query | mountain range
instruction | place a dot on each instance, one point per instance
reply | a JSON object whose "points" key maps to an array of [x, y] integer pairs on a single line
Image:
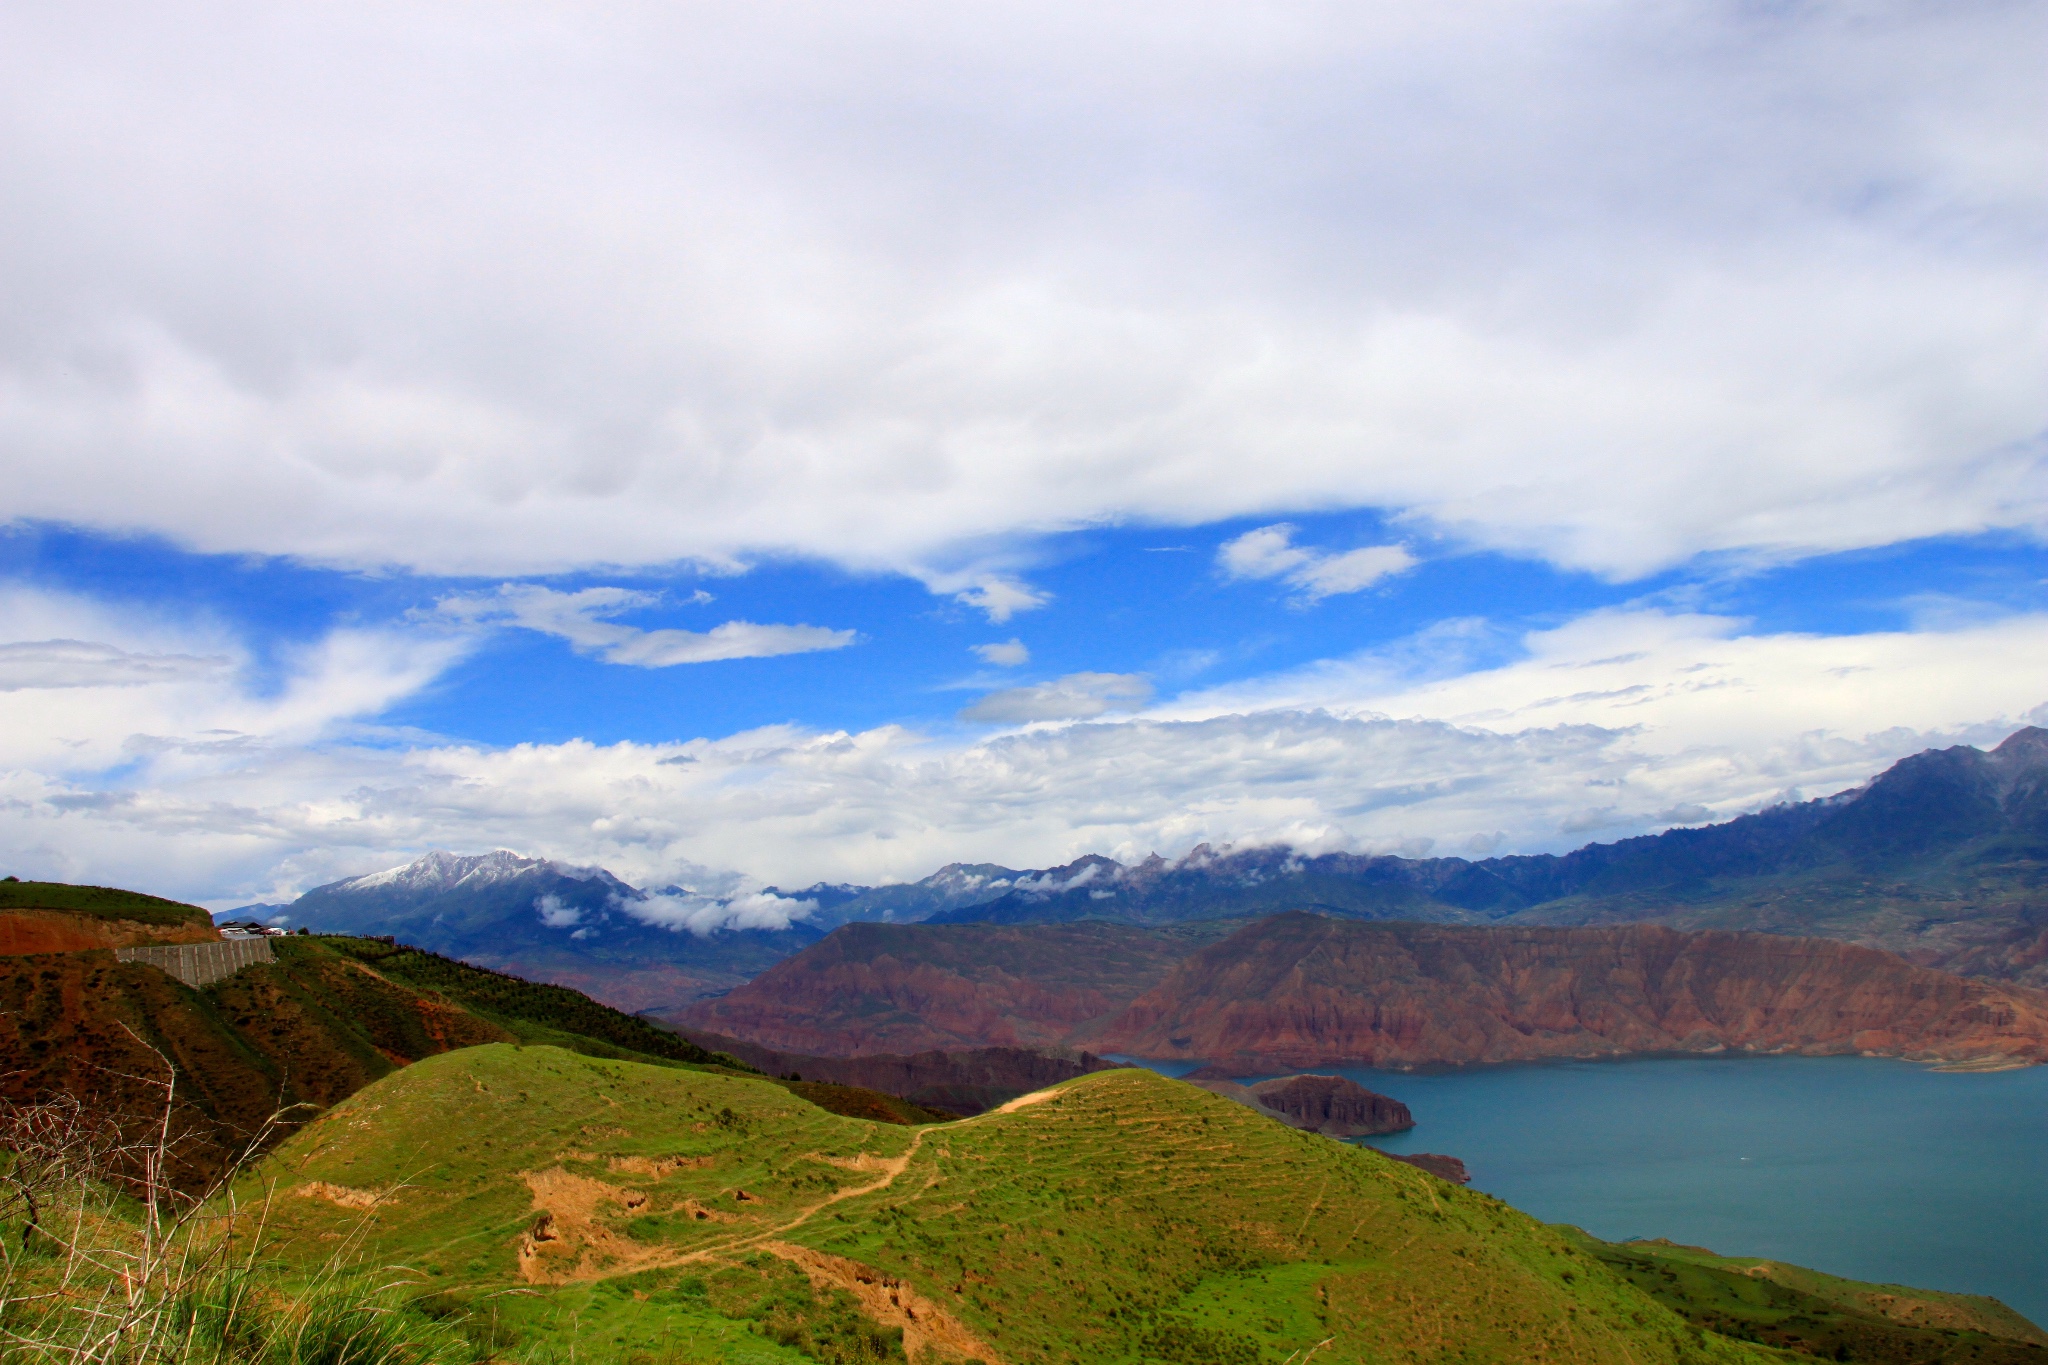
{"points": [[1942, 858]]}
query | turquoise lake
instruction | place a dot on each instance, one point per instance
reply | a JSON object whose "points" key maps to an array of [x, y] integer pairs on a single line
{"points": [[1878, 1170]]}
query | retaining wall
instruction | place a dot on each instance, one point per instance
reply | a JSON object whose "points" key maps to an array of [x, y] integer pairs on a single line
{"points": [[202, 964]]}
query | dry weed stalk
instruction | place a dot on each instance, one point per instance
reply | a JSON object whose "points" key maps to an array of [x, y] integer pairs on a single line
{"points": [[87, 1285]]}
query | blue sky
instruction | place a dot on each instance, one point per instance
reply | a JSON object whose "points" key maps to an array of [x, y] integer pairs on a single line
{"points": [[1152, 602], [745, 447]]}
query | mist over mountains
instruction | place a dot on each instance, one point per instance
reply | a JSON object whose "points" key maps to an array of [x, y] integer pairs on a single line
{"points": [[1941, 858]]}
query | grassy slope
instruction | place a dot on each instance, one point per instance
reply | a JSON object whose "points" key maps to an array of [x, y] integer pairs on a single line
{"points": [[1821, 1314], [1128, 1218], [329, 1017], [102, 902]]}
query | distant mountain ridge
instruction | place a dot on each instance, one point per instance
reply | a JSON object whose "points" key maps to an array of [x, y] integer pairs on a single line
{"points": [[1942, 858]]}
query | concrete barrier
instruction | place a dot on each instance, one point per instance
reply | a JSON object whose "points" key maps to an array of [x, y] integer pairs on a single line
{"points": [[202, 964]]}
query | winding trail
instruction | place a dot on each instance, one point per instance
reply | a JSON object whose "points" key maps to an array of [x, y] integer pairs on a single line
{"points": [[926, 1325]]}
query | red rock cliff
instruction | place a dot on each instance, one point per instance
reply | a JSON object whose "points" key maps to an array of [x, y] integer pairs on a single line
{"points": [[1303, 990], [916, 987]]}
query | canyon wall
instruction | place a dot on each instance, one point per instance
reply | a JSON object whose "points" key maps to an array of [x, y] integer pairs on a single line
{"points": [[915, 987], [1302, 990]]}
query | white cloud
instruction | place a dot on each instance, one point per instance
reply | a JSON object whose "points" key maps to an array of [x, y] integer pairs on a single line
{"points": [[1009, 654], [1270, 552], [563, 286], [1619, 722], [1002, 598], [579, 617], [556, 915], [707, 915], [1077, 696]]}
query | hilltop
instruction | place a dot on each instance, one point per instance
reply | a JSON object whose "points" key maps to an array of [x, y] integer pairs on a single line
{"points": [[1119, 1217], [56, 917], [1303, 990]]}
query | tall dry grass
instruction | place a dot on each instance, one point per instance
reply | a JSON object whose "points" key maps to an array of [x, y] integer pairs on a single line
{"points": [[104, 1262]]}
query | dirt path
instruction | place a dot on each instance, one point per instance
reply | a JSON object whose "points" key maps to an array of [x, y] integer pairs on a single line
{"points": [[927, 1327]]}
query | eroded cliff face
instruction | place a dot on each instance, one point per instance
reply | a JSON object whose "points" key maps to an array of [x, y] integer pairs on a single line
{"points": [[27, 931], [1303, 990], [908, 988]]}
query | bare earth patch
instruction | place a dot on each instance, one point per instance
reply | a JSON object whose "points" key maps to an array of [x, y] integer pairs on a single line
{"points": [[929, 1331]]}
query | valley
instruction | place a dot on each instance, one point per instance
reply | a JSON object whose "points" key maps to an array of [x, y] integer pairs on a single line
{"points": [[559, 1179]]}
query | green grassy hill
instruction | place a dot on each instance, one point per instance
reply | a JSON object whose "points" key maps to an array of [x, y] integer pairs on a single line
{"points": [[328, 1017], [662, 1215], [103, 902], [1823, 1315]]}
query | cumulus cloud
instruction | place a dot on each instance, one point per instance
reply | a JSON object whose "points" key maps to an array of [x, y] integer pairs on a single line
{"points": [[706, 915], [1270, 552], [1010, 653], [581, 619], [555, 914], [1611, 284], [1077, 696], [1002, 598]]}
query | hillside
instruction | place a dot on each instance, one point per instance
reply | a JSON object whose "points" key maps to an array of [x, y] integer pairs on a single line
{"points": [[329, 1017], [965, 1082], [1791, 1307], [56, 917], [1120, 1217], [1116, 1219], [911, 988], [1301, 990]]}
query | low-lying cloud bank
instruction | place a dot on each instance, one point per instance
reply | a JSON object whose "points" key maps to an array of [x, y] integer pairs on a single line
{"points": [[197, 784]]}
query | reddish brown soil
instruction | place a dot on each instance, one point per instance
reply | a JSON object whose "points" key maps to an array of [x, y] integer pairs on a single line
{"points": [[24, 932], [304, 1033]]}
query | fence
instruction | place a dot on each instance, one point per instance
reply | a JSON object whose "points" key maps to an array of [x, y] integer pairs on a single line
{"points": [[201, 964]]}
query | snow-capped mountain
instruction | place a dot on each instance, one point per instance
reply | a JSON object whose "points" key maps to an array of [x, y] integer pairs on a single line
{"points": [[580, 926]]}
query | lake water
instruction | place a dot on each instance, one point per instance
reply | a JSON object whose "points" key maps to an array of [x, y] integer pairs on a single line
{"points": [[1877, 1170]]}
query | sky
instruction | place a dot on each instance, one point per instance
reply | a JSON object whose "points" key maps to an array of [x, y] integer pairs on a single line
{"points": [[747, 446]]}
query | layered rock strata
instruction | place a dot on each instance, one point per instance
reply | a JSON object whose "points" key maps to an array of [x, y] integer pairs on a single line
{"points": [[1304, 990]]}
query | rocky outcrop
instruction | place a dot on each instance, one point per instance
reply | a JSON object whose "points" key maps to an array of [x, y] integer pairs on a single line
{"points": [[907, 988], [971, 1082], [1442, 1167], [1334, 1106], [1303, 990]]}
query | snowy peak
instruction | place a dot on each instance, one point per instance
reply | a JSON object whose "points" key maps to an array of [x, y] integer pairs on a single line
{"points": [[442, 871]]}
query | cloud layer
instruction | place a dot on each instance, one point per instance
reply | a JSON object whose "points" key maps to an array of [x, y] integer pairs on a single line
{"points": [[1613, 724], [561, 286]]}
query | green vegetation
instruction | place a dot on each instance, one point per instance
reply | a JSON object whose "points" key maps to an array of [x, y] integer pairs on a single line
{"points": [[663, 1214], [1822, 1315], [533, 1011], [100, 902]]}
